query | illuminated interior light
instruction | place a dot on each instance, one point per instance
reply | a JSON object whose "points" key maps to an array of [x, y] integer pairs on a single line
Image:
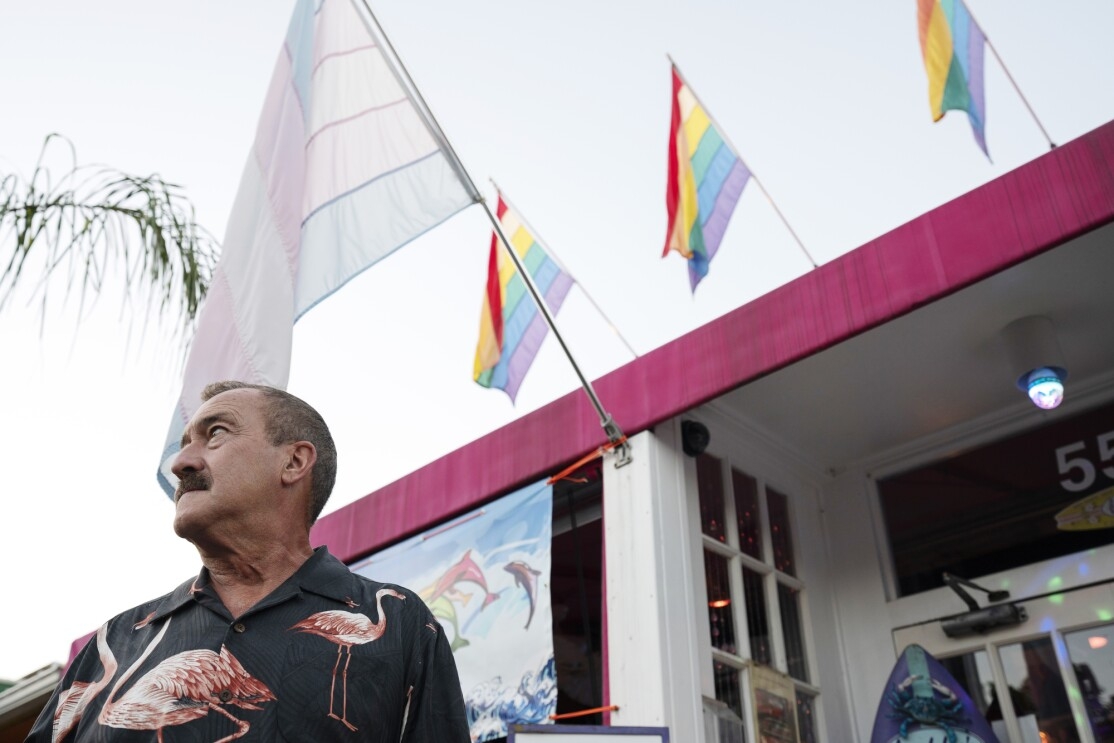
{"points": [[1036, 361], [1097, 641], [1045, 387], [719, 603]]}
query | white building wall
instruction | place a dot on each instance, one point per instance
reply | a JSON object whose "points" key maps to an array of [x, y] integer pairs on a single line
{"points": [[859, 598], [653, 671]]}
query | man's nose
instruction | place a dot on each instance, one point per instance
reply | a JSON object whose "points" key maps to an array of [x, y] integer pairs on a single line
{"points": [[188, 460]]}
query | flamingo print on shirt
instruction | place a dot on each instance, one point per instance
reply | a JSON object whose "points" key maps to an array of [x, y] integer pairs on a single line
{"points": [[183, 688], [73, 701], [345, 629]]}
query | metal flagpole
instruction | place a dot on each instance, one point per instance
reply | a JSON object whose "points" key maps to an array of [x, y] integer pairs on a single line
{"points": [[997, 56], [752, 173], [557, 260], [614, 433], [611, 428], [394, 62]]}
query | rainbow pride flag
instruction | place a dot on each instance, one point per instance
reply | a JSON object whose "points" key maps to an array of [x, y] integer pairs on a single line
{"points": [[511, 326], [706, 179], [953, 46]]}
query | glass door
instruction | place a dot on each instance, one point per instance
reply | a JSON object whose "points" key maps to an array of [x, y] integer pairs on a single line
{"points": [[1092, 656], [1048, 680]]}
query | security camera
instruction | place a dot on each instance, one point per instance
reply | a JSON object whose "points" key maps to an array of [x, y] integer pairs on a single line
{"points": [[695, 437]]}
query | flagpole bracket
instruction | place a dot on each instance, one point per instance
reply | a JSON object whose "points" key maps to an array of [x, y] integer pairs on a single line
{"points": [[618, 442]]}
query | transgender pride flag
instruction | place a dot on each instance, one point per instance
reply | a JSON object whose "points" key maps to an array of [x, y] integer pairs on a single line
{"points": [[344, 170], [511, 326], [706, 179]]}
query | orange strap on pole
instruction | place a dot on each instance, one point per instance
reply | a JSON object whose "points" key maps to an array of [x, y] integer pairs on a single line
{"points": [[585, 712], [564, 474]]}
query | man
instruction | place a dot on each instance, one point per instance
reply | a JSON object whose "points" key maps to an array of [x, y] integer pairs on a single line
{"points": [[272, 640]]}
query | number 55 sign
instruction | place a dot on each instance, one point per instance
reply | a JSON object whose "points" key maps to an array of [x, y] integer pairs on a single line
{"points": [[1074, 460], [1080, 463]]}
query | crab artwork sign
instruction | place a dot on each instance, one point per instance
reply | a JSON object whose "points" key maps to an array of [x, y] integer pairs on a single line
{"points": [[485, 576], [923, 703]]}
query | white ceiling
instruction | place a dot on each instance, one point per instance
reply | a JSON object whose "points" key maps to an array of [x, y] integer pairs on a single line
{"points": [[941, 365]]}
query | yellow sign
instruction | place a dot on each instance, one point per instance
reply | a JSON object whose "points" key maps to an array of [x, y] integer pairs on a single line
{"points": [[1096, 511]]}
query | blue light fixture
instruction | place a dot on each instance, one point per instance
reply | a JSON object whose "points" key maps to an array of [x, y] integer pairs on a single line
{"points": [[1036, 361], [1046, 386]]}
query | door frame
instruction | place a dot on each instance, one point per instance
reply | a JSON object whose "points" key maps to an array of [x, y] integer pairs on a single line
{"points": [[1050, 615]]}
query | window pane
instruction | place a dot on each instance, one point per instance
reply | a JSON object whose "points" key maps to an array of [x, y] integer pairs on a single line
{"points": [[781, 538], [721, 617], [806, 717], [709, 478], [728, 690], [758, 626], [1092, 655], [1037, 688], [972, 671], [746, 513], [789, 602], [722, 724]]}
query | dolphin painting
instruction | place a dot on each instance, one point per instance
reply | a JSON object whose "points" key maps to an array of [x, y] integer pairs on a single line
{"points": [[464, 571], [526, 577], [443, 595], [443, 608]]}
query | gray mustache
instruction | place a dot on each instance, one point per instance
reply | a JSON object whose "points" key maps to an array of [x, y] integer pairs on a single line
{"points": [[192, 481]]}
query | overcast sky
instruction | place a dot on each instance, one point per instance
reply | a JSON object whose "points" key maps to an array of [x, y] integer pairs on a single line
{"points": [[566, 105]]}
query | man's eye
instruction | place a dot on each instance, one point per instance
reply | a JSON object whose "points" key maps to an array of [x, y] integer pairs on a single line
{"points": [[217, 429]]}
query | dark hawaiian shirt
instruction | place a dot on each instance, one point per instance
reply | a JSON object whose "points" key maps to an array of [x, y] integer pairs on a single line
{"points": [[327, 656]]}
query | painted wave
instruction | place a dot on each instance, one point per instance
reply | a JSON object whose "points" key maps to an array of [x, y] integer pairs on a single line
{"points": [[493, 705]]}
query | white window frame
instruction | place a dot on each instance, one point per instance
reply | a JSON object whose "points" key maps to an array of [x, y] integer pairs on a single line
{"points": [[771, 577]]}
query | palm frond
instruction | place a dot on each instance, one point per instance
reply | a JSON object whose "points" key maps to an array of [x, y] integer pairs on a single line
{"points": [[96, 221]]}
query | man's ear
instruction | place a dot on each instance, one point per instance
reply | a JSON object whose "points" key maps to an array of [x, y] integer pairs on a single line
{"points": [[301, 456]]}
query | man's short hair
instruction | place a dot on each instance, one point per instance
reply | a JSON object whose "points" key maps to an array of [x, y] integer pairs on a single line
{"points": [[290, 419]]}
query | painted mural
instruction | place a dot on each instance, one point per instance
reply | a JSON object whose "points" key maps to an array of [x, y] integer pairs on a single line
{"points": [[485, 576]]}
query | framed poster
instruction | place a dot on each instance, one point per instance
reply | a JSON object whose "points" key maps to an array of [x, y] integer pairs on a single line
{"points": [[774, 701], [586, 734]]}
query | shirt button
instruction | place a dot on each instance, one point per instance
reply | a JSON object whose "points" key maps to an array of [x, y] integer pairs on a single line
{"points": [[238, 627], [225, 695]]}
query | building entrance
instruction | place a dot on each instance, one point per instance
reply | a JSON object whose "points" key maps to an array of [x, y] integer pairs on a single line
{"points": [[1047, 680]]}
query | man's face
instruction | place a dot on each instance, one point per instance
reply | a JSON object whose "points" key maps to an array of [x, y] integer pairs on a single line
{"points": [[228, 470]]}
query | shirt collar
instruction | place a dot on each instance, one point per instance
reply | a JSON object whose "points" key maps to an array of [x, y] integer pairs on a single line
{"points": [[321, 574], [324, 575]]}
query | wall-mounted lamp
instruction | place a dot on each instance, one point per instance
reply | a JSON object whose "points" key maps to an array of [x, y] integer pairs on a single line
{"points": [[1036, 361]]}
